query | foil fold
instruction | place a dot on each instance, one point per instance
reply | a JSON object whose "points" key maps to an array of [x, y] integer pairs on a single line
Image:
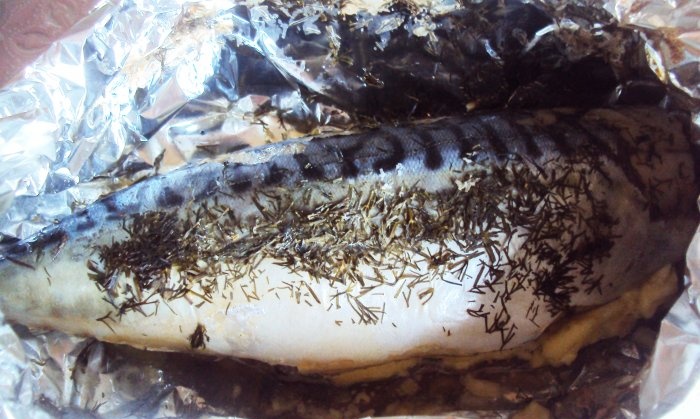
{"points": [[667, 385], [139, 87]]}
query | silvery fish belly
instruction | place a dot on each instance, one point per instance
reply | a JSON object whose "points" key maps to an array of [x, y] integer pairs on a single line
{"points": [[449, 237]]}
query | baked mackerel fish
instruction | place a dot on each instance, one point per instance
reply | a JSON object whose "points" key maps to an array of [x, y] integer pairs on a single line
{"points": [[442, 238]]}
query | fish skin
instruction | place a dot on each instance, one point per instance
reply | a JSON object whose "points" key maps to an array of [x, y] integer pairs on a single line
{"points": [[633, 147]]}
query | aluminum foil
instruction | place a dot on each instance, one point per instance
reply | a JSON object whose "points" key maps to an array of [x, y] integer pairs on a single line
{"points": [[138, 87]]}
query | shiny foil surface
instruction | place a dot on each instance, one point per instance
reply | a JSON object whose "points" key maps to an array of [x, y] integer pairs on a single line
{"points": [[126, 89]]}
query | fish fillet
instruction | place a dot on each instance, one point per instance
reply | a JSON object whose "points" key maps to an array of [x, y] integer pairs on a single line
{"points": [[450, 237]]}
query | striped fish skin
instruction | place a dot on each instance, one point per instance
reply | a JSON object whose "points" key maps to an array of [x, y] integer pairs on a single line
{"points": [[450, 237]]}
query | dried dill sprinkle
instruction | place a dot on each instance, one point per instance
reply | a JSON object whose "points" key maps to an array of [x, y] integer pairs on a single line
{"points": [[368, 239], [199, 338], [157, 242]]}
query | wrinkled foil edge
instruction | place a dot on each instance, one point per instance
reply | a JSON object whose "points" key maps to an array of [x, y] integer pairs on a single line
{"points": [[664, 386]]}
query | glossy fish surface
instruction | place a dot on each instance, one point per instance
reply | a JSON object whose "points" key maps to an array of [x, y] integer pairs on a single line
{"points": [[455, 236]]}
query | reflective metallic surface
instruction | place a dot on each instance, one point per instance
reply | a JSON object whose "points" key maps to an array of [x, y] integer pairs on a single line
{"points": [[136, 87]]}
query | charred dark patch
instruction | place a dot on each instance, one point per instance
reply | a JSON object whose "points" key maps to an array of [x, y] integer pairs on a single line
{"points": [[113, 216], [465, 144], [559, 136], [170, 198], [115, 208], [491, 137], [234, 177], [525, 135], [20, 263], [308, 170], [433, 158], [393, 154], [591, 138], [241, 185], [110, 203], [349, 167], [655, 212], [276, 175], [613, 148], [199, 338], [85, 223], [8, 240], [51, 237], [211, 188]]}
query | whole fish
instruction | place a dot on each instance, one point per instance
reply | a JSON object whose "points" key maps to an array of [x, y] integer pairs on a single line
{"points": [[455, 236]]}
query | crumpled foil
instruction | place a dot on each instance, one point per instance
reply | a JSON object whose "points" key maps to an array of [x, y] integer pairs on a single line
{"points": [[144, 86]]}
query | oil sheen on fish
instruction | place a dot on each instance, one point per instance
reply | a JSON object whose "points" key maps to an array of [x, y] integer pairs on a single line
{"points": [[449, 237]]}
